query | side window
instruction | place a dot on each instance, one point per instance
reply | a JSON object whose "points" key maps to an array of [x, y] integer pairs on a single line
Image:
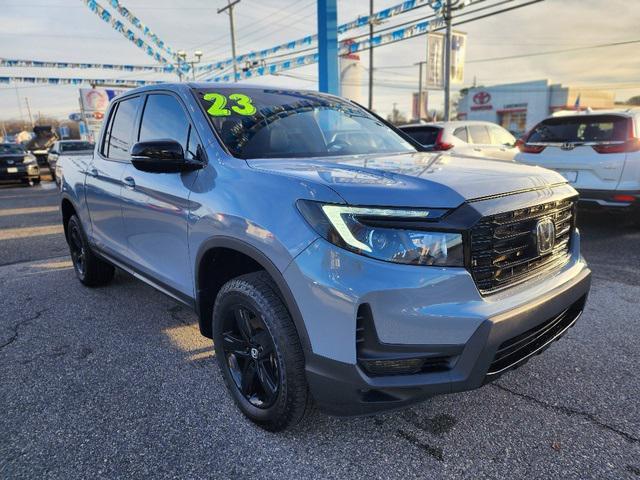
{"points": [[461, 133], [164, 119], [479, 134], [500, 136], [120, 135]]}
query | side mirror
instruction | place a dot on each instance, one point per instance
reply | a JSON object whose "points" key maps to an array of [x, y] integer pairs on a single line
{"points": [[161, 156]]}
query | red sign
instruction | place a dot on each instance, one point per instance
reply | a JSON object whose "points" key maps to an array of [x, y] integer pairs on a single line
{"points": [[481, 101], [482, 98]]}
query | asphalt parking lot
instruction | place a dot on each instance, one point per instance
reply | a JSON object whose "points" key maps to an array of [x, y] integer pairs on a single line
{"points": [[117, 383]]}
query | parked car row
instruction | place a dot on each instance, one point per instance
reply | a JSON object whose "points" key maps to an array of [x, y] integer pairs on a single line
{"points": [[598, 152]]}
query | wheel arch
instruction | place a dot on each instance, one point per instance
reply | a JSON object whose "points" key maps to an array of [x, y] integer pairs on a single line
{"points": [[67, 209], [206, 286]]}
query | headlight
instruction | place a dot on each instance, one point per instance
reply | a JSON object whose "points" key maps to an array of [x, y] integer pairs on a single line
{"points": [[391, 234], [29, 158]]}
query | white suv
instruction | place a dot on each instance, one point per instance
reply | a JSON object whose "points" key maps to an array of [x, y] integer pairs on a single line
{"points": [[598, 152], [471, 138]]}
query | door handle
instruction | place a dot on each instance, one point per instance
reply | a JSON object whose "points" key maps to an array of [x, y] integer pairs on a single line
{"points": [[129, 182], [477, 149]]}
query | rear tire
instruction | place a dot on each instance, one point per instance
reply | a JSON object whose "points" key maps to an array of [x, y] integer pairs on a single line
{"points": [[259, 352], [90, 270]]}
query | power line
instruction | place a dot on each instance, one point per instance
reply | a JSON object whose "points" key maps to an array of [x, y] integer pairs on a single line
{"points": [[554, 52]]}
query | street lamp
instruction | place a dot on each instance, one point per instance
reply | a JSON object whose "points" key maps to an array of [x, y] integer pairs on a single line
{"points": [[182, 55]]}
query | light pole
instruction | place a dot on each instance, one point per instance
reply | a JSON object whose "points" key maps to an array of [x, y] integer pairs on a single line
{"points": [[447, 62], [370, 55], [229, 8], [420, 64]]}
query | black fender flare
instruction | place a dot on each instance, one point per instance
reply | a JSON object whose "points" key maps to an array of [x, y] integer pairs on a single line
{"points": [[254, 253]]}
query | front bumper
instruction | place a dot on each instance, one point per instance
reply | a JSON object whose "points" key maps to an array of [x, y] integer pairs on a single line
{"points": [[23, 172], [418, 312]]}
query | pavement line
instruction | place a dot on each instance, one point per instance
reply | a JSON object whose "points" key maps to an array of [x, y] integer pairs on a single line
{"points": [[25, 232], [7, 212]]}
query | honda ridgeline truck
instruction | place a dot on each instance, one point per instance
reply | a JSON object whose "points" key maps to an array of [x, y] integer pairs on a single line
{"points": [[327, 256]]}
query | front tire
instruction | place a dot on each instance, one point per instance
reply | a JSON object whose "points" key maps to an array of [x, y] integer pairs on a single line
{"points": [[90, 270], [259, 352]]}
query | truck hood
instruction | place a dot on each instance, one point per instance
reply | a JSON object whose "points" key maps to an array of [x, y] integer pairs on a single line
{"points": [[413, 179]]}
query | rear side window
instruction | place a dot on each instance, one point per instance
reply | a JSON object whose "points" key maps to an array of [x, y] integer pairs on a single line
{"points": [[479, 134], [423, 135], [586, 128], [120, 135], [461, 133]]}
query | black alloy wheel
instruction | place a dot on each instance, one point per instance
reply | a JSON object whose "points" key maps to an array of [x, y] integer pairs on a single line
{"points": [[76, 248], [259, 352], [90, 270], [251, 356]]}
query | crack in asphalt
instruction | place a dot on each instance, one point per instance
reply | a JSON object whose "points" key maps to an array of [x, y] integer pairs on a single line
{"points": [[571, 412], [16, 327], [435, 452]]}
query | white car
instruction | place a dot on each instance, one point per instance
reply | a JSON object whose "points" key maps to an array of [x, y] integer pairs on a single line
{"points": [[471, 138], [598, 152], [67, 147]]}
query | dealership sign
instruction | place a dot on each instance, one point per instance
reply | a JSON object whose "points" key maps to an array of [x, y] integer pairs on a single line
{"points": [[435, 59], [481, 101]]}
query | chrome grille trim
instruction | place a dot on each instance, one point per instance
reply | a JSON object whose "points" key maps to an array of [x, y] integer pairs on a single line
{"points": [[503, 249]]}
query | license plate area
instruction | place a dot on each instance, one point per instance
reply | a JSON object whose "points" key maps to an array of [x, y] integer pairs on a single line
{"points": [[12, 170]]}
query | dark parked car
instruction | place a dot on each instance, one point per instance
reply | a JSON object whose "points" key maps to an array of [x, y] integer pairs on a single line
{"points": [[17, 165]]}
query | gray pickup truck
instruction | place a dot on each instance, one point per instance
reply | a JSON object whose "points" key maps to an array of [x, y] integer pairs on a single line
{"points": [[328, 257]]}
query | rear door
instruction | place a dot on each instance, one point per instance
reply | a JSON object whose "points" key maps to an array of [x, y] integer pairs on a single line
{"points": [[104, 179], [480, 141], [502, 143], [156, 205], [588, 150]]}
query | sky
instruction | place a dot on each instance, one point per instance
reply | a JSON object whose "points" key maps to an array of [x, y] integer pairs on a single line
{"points": [[66, 30]]}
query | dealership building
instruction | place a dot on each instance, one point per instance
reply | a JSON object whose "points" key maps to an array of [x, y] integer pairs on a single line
{"points": [[519, 106]]}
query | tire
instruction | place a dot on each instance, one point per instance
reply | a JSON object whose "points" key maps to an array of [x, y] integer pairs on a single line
{"points": [[257, 347], [90, 270]]}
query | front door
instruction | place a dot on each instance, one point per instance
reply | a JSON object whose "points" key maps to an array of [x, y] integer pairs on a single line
{"points": [[156, 205], [104, 179]]}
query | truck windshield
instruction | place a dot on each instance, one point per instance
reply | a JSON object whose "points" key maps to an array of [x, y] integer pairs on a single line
{"points": [[271, 123], [9, 149]]}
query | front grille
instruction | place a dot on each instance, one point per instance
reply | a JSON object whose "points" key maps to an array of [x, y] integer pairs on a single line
{"points": [[520, 347], [504, 250]]}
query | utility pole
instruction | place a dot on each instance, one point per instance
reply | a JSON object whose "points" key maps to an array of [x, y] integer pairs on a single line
{"points": [[370, 55], [19, 106], [420, 64], [26, 100], [229, 7], [447, 62]]}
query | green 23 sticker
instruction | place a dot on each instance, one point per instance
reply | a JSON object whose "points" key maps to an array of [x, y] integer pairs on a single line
{"points": [[243, 105]]}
